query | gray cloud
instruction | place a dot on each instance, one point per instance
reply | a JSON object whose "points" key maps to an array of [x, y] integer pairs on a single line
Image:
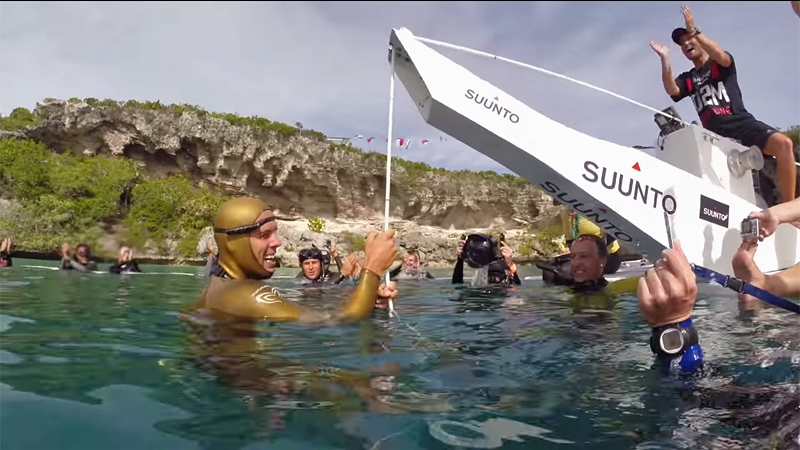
{"points": [[324, 63]]}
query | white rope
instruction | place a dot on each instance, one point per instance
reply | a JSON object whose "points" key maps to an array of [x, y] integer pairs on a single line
{"points": [[389, 165], [548, 72], [553, 74]]}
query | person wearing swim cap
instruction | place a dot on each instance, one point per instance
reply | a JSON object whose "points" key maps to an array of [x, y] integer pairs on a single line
{"points": [[315, 266], [125, 262], [246, 234], [574, 225], [5, 253], [481, 251], [81, 261], [411, 269], [714, 89]]}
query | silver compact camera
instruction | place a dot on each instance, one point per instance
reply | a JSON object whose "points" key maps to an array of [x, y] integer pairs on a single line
{"points": [[750, 229]]}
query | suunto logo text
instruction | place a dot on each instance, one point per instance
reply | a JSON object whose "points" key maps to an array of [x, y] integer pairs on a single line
{"points": [[492, 104]]}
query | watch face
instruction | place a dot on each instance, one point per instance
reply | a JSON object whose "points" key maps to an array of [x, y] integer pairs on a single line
{"points": [[671, 341]]}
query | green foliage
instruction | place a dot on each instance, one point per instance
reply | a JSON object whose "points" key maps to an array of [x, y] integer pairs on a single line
{"points": [[18, 119], [170, 210], [61, 196], [72, 198], [794, 134], [316, 224], [549, 239], [354, 242]]}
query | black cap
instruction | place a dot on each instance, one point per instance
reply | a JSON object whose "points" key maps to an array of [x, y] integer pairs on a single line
{"points": [[678, 33]]}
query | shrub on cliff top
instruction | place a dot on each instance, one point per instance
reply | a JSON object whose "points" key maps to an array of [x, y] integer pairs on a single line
{"points": [[171, 209], [412, 170], [70, 198], [18, 119], [61, 196]]}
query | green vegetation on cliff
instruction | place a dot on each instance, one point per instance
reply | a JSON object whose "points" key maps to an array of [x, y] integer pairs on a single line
{"points": [[22, 118], [70, 198]]}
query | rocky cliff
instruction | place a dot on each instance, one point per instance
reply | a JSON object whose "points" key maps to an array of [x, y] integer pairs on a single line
{"points": [[299, 173]]}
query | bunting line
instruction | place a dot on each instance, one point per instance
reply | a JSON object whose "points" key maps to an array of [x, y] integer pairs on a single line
{"points": [[402, 143]]}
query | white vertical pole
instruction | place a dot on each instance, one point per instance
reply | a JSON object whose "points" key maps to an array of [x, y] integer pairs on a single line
{"points": [[389, 162]]}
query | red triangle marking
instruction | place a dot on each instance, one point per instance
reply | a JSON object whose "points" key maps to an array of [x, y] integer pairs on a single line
{"points": [[605, 211], [496, 99], [636, 167]]}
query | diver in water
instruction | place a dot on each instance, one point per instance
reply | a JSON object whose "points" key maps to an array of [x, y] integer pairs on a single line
{"points": [[315, 265], [81, 261], [125, 262], [667, 295], [5, 253], [247, 238], [583, 268], [411, 269], [482, 252]]}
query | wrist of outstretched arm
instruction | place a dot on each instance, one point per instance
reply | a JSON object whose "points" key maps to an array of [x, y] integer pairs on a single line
{"points": [[362, 302]]}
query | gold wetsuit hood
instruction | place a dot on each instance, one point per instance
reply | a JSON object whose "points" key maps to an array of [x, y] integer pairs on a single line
{"points": [[235, 221]]}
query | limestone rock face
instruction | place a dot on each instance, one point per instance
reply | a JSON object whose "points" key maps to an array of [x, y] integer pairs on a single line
{"points": [[298, 174]]}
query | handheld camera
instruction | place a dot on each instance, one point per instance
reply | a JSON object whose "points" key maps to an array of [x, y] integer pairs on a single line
{"points": [[750, 229]]}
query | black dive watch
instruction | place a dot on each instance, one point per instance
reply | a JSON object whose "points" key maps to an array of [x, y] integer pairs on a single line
{"points": [[672, 339]]}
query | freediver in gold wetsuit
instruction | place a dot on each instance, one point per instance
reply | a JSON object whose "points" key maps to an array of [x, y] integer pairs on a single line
{"points": [[235, 350], [246, 235]]}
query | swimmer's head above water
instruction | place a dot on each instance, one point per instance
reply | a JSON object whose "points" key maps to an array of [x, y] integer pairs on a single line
{"points": [[314, 262], [245, 231]]}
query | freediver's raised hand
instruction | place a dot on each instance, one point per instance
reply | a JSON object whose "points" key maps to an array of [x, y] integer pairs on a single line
{"points": [[460, 247], [386, 293], [660, 50], [668, 291], [380, 251], [688, 18]]}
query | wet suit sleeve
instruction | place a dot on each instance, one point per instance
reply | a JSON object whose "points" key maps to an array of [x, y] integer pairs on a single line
{"points": [[429, 275], [135, 266], [258, 301], [115, 268], [623, 286], [458, 272], [684, 82], [71, 264], [516, 279]]}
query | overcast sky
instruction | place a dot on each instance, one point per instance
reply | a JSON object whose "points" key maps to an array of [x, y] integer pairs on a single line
{"points": [[324, 63]]}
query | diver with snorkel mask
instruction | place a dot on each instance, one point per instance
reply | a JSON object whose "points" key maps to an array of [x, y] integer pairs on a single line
{"points": [[315, 265], [491, 260]]}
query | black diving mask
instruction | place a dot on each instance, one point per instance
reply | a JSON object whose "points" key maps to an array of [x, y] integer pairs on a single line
{"points": [[323, 256], [480, 250]]}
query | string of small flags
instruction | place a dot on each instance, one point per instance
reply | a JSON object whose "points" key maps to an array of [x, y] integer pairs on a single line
{"points": [[402, 143]]}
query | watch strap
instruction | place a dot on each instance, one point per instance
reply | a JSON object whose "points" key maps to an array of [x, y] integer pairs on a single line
{"points": [[688, 331]]}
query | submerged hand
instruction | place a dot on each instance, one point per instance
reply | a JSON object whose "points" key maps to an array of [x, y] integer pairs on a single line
{"points": [[385, 294]]}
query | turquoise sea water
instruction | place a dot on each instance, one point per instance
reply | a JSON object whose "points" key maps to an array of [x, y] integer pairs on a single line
{"points": [[97, 361]]}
